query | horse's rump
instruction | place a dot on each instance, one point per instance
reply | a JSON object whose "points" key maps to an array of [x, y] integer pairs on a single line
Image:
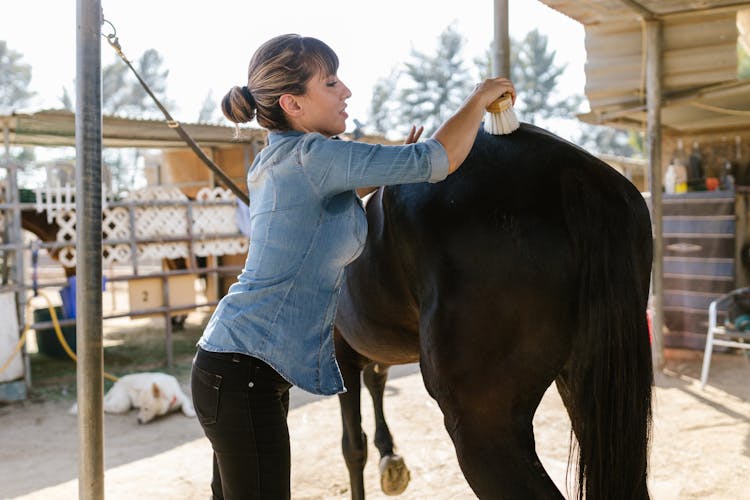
{"points": [[532, 245]]}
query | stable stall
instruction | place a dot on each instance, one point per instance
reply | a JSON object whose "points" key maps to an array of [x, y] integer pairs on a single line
{"points": [[670, 68]]}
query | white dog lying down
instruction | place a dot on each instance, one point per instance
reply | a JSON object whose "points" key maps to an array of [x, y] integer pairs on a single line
{"points": [[153, 393]]}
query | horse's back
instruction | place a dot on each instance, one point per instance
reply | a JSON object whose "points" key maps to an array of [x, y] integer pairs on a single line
{"points": [[503, 221], [525, 175], [493, 235]]}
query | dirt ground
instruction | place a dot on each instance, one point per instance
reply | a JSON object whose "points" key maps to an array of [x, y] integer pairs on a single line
{"points": [[701, 445]]}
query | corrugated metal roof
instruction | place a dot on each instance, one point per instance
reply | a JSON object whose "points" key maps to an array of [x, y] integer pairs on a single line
{"points": [[701, 89], [57, 128], [590, 12]]}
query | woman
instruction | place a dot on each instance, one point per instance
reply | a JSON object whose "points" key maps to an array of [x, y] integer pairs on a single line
{"points": [[274, 327]]}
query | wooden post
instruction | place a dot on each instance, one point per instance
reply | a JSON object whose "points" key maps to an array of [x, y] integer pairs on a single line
{"points": [[653, 103], [740, 238], [501, 44]]}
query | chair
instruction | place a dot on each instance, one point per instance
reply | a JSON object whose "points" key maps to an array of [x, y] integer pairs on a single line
{"points": [[723, 335]]}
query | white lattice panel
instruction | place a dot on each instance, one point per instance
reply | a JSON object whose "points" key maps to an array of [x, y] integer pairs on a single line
{"points": [[56, 199], [116, 224], [66, 233], [162, 250], [157, 193], [66, 221], [67, 256], [116, 253], [217, 193], [214, 219], [155, 222], [225, 246]]}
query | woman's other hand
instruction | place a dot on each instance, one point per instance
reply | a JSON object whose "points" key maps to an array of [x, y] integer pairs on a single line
{"points": [[414, 134]]}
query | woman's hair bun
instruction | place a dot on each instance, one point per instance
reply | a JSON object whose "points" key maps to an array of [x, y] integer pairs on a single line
{"points": [[238, 105]]}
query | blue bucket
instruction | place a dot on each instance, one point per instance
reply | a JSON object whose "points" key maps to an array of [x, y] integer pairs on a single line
{"points": [[68, 296]]}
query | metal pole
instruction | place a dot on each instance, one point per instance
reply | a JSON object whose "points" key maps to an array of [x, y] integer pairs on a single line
{"points": [[168, 318], [89, 250], [501, 43], [15, 235], [6, 228], [653, 102]]}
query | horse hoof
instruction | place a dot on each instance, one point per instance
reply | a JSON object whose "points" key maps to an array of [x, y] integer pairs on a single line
{"points": [[394, 476]]}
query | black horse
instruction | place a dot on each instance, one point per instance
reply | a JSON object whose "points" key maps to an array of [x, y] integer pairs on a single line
{"points": [[529, 265]]}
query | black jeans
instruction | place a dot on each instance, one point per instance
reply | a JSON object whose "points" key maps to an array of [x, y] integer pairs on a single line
{"points": [[242, 405]]}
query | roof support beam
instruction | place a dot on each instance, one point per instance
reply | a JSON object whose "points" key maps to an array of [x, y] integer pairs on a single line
{"points": [[653, 101], [744, 4], [640, 9], [501, 43], [677, 99]]}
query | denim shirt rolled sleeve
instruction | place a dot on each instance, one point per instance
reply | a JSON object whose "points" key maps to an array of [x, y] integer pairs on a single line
{"points": [[306, 224], [339, 166]]}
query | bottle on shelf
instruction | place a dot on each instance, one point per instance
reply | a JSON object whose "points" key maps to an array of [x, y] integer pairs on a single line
{"points": [[695, 174], [728, 171], [670, 178], [680, 171], [740, 169]]}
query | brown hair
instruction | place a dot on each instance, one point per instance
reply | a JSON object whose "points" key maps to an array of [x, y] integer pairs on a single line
{"points": [[282, 65]]}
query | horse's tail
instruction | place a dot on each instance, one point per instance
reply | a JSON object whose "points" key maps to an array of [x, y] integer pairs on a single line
{"points": [[609, 377]]}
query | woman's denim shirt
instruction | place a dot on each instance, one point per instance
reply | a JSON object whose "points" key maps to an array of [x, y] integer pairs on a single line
{"points": [[306, 225]]}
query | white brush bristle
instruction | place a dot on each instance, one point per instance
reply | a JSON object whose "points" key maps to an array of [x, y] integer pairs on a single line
{"points": [[501, 123]]}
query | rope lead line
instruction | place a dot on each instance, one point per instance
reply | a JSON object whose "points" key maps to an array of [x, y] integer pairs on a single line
{"points": [[174, 124]]}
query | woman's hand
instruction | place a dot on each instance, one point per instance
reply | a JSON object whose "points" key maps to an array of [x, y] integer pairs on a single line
{"points": [[458, 132], [492, 88], [414, 134]]}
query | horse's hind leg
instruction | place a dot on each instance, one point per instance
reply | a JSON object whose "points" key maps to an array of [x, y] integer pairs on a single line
{"points": [[488, 383], [497, 454], [394, 475]]}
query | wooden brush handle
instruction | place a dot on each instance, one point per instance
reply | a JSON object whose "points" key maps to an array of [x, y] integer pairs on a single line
{"points": [[500, 104]]}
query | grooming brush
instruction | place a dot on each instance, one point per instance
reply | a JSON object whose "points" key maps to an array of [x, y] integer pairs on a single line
{"points": [[501, 119]]}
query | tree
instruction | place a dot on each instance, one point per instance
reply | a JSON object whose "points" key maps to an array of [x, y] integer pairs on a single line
{"points": [[122, 93], [384, 109], [15, 76], [535, 75], [66, 100], [609, 140], [209, 112], [426, 91]]}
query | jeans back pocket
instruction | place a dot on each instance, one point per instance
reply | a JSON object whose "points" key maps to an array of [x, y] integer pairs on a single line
{"points": [[205, 388]]}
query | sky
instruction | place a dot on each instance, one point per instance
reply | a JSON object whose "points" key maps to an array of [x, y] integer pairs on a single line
{"points": [[206, 46]]}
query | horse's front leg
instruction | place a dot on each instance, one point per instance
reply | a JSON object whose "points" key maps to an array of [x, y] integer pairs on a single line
{"points": [[394, 475], [354, 439]]}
